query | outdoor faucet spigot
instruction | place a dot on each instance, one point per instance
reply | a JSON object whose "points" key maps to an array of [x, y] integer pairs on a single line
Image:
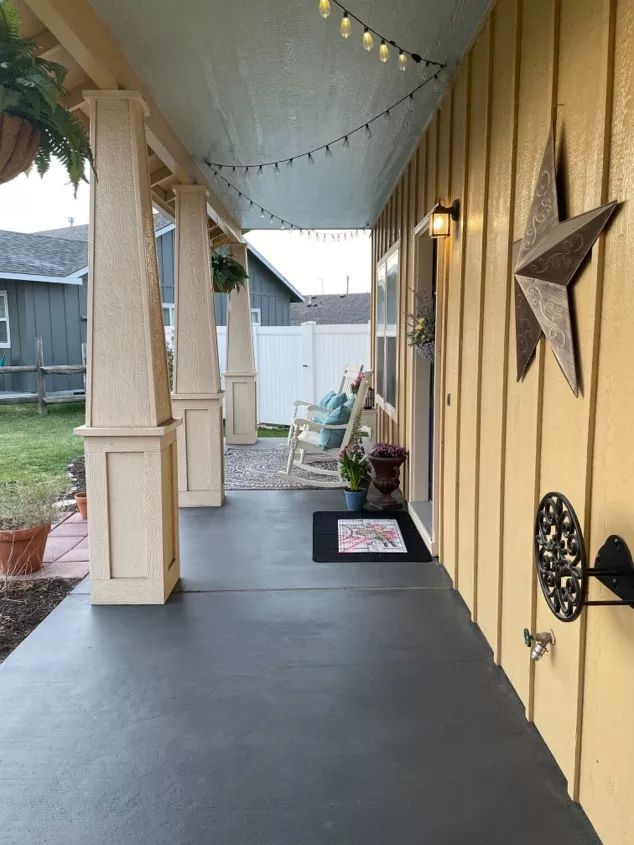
{"points": [[539, 642]]}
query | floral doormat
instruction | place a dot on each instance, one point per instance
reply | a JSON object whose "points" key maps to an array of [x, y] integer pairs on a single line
{"points": [[258, 469], [357, 536], [372, 538]]}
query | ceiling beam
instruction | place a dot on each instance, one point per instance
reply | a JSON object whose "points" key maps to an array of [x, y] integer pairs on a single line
{"points": [[88, 42], [157, 176]]}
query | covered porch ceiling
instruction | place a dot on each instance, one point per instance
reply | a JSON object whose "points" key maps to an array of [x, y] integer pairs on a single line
{"points": [[257, 81]]}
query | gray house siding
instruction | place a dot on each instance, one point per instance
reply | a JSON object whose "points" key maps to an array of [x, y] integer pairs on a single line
{"points": [[267, 291], [54, 312]]}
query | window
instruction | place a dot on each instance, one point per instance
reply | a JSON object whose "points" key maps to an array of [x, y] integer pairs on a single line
{"points": [[256, 316], [5, 334], [168, 315], [387, 285]]}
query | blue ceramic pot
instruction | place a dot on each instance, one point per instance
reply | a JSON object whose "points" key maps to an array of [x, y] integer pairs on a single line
{"points": [[355, 499]]}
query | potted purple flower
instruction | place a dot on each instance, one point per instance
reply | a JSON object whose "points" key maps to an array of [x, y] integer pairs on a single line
{"points": [[354, 469], [386, 460]]}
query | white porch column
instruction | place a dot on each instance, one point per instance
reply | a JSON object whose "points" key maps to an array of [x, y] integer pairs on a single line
{"points": [[241, 409], [130, 436], [197, 398]]}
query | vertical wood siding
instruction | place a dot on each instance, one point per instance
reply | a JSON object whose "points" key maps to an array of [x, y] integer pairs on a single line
{"points": [[503, 444]]}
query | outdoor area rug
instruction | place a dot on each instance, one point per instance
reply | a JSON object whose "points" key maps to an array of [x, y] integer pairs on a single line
{"points": [[367, 537], [258, 469]]}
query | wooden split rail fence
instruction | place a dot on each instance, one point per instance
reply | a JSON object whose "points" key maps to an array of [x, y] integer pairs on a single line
{"points": [[41, 371]]}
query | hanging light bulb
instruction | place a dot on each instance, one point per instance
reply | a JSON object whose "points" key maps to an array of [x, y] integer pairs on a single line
{"points": [[262, 213], [368, 131], [367, 40], [387, 114], [311, 160], [346, 26], [324, 8], [402, 61], [246, 171], [384, 52], [260, 170], [346, 143], [328, 151], [289, 164], [276, 168]]}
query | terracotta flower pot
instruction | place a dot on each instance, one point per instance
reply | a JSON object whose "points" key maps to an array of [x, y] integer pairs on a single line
{"points": [[81, 500], [18, 144], [386, 480], [22, 552]]}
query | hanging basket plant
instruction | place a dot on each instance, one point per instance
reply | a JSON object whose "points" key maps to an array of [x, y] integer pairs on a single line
{"points": [[227, 273], [34, 125]]}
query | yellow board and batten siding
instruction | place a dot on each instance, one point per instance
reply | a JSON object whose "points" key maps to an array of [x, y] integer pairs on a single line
{"points": [[503, 444]]}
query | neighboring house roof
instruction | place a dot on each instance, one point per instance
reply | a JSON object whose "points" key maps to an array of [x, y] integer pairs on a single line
{"points": [[61, 255], [295, 294], [332, 309]]}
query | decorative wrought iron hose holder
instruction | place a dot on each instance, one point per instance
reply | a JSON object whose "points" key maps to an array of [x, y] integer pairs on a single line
{"points": [[562, 566]]}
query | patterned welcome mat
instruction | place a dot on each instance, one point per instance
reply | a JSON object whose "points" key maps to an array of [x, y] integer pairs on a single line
{"points": [[370, 537]]}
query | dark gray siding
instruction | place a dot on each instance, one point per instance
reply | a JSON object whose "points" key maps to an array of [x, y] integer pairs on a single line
{"points": [[56, 313], [165, 255]]}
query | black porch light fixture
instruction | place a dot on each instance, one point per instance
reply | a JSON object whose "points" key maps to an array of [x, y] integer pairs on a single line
{"points": [[440, 219]]}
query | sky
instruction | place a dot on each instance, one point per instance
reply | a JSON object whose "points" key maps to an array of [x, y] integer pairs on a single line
{"points": [[30, 204]]}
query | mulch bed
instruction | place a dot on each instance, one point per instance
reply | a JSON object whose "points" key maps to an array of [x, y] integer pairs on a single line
{"points": [[24, 604]]}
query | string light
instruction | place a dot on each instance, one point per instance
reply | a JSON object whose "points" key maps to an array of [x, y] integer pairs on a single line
{"points": [[346, 26], [363, 127], [367, 39]]}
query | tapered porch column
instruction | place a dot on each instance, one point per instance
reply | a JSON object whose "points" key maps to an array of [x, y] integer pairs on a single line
{"points": [[197, 398], [240, 377], [130, 436]]}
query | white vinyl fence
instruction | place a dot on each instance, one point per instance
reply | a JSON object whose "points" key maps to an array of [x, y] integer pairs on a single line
{"points": [[299, 362]]}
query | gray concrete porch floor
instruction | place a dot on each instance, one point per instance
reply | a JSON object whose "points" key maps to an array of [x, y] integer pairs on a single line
{"points": [[273, 701]]}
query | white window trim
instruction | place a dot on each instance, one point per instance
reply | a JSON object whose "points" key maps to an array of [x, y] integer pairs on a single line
{"points": [[6, 345], [382, 403], [257, 311]]}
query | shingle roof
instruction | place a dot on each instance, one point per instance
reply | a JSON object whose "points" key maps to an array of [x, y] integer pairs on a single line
{"points": [[36, 255], [56, 253], [332, 309]]}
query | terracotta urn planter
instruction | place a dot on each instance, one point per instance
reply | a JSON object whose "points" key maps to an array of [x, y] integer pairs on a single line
{"points": [[22, 551], [81, 501], [19, 140], [386, 479]]}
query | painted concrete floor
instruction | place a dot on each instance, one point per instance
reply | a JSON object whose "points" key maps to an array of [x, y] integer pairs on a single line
{"points": [[273, 701]]}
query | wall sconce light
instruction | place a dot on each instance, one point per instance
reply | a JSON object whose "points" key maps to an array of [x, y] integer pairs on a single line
{"points": [[440, 219]]}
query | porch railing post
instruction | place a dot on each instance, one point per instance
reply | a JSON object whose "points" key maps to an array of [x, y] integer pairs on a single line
{"points": [[240, 376], [197, 397], [130, 436]]}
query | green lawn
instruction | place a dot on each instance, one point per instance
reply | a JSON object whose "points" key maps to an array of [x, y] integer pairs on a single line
{"points": [[35, 449]]}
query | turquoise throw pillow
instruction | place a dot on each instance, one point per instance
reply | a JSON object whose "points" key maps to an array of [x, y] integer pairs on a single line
{"points": [[335, 401], [323, 402], [329, 439]]}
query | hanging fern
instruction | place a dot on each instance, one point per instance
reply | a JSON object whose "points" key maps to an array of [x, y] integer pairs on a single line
{"points": [[32, 88], [227, 273]]}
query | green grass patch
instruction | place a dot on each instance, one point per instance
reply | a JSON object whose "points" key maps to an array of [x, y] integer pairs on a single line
{"points": [[273, 431], [36, 449]]}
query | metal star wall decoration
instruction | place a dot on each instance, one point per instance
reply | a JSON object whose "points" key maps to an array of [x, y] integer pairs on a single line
{"points": [[546, 261]]}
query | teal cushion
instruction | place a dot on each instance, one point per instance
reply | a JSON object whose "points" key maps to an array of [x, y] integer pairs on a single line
{"points": [[329, 439], [325, 398], [335, 401]]}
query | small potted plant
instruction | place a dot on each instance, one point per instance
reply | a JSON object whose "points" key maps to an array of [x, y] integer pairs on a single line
{"points": [[386, 460], [354, 469], [26, 515], [34, 125], [227, 273], [81, 500], [356, 384]]}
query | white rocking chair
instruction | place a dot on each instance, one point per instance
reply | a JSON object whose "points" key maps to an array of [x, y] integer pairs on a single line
{"points": [[350, 372], [304, 438]]}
